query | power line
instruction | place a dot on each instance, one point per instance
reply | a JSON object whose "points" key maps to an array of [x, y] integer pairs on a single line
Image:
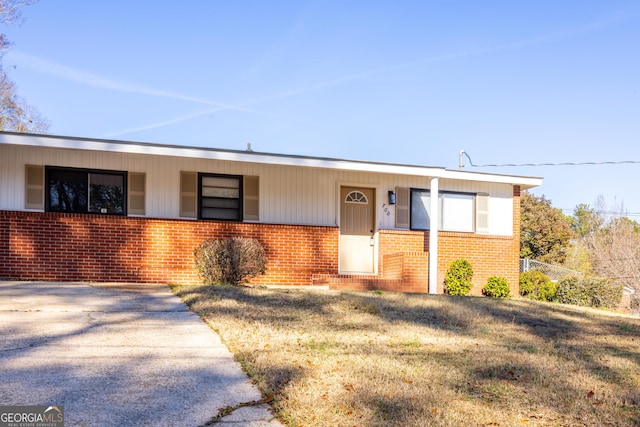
{"points": [[612, 213], [621, 162]]}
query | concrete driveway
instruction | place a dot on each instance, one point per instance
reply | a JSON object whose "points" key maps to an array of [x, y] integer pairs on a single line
{"points": [[119, 355]]}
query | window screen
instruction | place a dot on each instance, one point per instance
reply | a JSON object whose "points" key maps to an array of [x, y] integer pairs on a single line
{"points": [[220, 197]]}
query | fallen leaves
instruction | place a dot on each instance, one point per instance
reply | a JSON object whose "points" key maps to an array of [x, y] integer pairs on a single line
{"points": [[406, 369], [590, 395]]}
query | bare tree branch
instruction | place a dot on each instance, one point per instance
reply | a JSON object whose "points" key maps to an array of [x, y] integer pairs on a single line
{"points": [[615, 249], [15, 113]]}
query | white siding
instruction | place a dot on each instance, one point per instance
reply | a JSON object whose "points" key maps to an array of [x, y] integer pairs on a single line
{"points": [[288, 194], [500, 202]]}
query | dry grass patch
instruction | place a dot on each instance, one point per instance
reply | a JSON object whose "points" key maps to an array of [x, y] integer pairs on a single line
{"points": [[366, 359]]}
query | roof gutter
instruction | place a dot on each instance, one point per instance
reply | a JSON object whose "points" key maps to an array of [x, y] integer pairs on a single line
{"points": [[114, 146]]}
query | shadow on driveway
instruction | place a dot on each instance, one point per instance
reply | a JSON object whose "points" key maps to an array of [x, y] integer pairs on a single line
{"points": [[114, 355]]}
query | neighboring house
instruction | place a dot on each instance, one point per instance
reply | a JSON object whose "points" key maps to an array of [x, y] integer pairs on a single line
{"points": [[80, 209]]}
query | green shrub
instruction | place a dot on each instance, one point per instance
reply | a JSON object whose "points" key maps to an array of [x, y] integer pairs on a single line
{"points": [[606, 293], [571, 290], [530, 281], [232, 260], [496, 287], [548, 291], [457, 281], [589, 292], [537, 286]]}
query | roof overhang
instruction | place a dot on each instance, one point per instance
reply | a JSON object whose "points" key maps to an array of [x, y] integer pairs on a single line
{"points": [[114, 146]]}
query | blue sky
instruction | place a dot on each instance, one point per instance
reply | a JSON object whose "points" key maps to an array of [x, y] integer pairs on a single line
{"points": [[525, 81]]}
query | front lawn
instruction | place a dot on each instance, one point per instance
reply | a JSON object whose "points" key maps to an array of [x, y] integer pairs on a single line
{"points": [[325, 358]]}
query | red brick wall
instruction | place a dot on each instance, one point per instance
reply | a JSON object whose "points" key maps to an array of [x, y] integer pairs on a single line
{"points": [[397, 241], [393, 265], [77, 247], [489, 255], [4, 248], [409, 249]]}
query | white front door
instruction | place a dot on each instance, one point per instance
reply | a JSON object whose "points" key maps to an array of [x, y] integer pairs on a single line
{"points": [[357, 219]]}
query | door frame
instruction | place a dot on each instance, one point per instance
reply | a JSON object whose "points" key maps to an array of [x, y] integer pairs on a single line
{"points": [[339, 187]]}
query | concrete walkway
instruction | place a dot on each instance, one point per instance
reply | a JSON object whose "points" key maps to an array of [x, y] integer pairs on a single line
{"points": [[119, 355]]}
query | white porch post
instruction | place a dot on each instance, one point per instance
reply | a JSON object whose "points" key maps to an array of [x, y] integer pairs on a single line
{"points": [[434, 220]]}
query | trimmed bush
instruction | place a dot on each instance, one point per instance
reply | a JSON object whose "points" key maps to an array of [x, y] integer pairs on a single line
{"points": [[537, 285], [530, 281], [548, 291], [571, 290], [589, 292], [496, 287], [232, 260], [457, 281]]}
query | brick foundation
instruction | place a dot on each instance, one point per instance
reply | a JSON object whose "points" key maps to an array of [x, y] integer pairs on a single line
{"points": [[488, 255], [77, 247], [403, 261], [405, 255]]}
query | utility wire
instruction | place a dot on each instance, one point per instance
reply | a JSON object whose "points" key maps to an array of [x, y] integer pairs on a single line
{"points": [[622, 162], [612, 213]]}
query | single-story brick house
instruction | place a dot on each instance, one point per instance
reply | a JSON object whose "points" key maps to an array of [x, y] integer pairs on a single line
{"points": [[80, 209]]}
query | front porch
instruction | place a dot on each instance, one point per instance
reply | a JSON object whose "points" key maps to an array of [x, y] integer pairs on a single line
{"points": [[401, 271]]}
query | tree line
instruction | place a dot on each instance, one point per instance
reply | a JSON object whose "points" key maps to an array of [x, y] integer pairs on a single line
{"points": [[15, 113], [595, 240]]}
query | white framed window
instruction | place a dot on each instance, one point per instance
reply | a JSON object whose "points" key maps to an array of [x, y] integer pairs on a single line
{"points": [[356, 197], [457, 212]]}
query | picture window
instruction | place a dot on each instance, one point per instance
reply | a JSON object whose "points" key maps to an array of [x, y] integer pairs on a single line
{"points": [[85, 191]]}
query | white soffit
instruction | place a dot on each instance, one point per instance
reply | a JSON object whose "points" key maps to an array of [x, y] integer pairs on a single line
{"points": [[76, 143]]}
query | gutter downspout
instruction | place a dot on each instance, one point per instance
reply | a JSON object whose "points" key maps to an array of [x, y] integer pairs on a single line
{"points": [[433, 236]]}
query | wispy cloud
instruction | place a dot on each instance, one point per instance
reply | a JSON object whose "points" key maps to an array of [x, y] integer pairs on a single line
{"points": [[89, 79], [520, 44], [44, 66], [164, 122]]}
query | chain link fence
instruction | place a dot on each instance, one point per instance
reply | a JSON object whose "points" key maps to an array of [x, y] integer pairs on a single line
{"points": [[553, 272]]}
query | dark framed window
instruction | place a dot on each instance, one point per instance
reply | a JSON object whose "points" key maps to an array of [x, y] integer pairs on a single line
{"points": [[85, 191], [220, 197]]}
